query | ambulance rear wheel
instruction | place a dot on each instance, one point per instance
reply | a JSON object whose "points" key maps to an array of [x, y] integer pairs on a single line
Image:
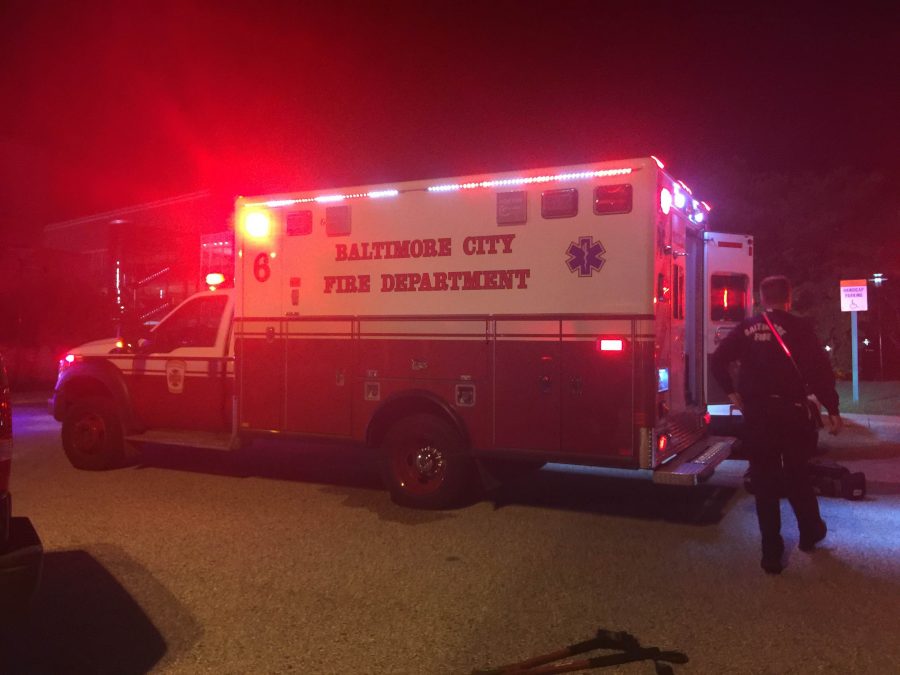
{"points": [[425, 463], [92, 435]]}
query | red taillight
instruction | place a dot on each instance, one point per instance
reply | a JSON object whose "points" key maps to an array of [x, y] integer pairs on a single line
{"points": [[610, 344], [662, 442], [707, 418]]}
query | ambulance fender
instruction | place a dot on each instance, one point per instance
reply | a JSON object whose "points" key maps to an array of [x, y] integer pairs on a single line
{"points": [[90, 379], [411, 402]]}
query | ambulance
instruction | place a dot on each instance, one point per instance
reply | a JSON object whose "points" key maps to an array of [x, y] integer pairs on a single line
{"points": [[462, 329]]}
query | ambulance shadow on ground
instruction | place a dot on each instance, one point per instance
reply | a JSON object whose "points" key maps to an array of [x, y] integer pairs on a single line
{"points": [[615, 493], [323, 463], [83, 620], [352, 468]]}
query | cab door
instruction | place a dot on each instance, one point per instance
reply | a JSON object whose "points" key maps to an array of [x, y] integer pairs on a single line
{"points": [[180, 377]]}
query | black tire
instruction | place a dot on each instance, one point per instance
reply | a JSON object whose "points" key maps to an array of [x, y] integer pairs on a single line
{"points": [[92, 435], [425, 464]]}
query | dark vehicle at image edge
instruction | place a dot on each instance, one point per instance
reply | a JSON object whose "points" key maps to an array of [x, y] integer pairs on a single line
{"points": [[21, 552]]}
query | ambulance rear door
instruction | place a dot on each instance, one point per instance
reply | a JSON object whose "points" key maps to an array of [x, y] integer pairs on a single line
{"points": [[729, 300]]}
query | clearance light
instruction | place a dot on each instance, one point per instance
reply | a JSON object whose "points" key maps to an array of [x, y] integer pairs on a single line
{"points": [[665, 201], [257, 224], [508, 182], [662, 442], [70, 358], [610, 344], [658, 163]]}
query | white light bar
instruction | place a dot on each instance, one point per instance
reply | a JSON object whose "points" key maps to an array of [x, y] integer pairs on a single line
{"points": [[327, 199], [507, 182]]}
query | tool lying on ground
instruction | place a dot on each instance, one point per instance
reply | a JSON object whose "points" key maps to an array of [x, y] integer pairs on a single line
{"points": [[628, 648], [829, 479]]}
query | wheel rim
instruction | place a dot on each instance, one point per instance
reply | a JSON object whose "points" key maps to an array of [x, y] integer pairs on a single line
{"points": [[419, 467], [88, 434]]}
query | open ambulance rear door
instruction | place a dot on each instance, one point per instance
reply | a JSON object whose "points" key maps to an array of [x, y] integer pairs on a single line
{"points": [[729, 300]]}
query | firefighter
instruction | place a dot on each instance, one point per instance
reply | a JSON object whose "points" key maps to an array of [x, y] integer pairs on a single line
{"points": [[771, 393]]}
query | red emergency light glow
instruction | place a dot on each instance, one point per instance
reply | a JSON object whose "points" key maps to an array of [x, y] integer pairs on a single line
{"points": [[70, 358], [725, 299], [507, 182], [658, 163], [662, 442]]}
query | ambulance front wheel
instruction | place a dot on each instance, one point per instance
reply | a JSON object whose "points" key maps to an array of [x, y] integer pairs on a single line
{"points": [[92, 435], [425, 463]]}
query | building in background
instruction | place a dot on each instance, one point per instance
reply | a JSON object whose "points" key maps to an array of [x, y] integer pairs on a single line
{"points": [[144, 259]]}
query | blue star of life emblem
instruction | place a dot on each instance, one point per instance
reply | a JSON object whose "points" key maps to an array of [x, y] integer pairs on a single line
{"points": [[585, 256]]}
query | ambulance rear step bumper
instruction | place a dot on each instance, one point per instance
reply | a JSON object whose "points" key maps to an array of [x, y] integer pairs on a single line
{"points": [[695, 464], [208, 440]]}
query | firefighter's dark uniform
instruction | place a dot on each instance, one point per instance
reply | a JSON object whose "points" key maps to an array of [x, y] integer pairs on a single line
{"points": [[775, 420]]}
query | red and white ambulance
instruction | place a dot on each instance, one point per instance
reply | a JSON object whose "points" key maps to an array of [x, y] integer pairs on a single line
{"points": [[453, 326]]}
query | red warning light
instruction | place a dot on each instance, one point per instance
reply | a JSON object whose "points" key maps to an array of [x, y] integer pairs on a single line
{"points": [[662, 442], [610, 344]]}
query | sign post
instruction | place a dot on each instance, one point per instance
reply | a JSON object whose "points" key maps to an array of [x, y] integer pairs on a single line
{"points": [[854, 299]]}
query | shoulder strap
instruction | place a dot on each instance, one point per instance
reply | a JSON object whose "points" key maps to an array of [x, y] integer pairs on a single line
{"points": [[785, 348]]}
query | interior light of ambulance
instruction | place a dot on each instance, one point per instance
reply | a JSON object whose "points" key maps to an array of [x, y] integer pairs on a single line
{"points": [[665, 201], [728, 297], [257, 224]]}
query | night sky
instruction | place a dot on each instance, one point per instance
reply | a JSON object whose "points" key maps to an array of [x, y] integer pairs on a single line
{"points": [[112, 104]]}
